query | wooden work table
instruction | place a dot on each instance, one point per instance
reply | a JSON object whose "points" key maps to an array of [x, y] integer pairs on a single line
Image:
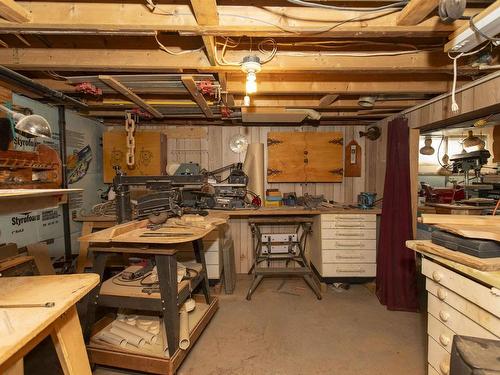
{"points": [[21, 329]]}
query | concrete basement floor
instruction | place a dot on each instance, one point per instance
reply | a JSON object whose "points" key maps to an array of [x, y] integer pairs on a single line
{"points": [[286, 330]]}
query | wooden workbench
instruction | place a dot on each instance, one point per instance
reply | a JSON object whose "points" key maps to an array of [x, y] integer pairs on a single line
{"points": [[29, 326], [20, 200], [128, 238]]}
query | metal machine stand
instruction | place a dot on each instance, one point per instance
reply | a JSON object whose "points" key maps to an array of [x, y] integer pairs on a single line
{"points": [[295, 255]]}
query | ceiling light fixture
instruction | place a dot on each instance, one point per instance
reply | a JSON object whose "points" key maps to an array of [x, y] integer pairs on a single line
{"points": [[473, 142], [251, 65], [31, 125], [427, 149], [367, 101]]}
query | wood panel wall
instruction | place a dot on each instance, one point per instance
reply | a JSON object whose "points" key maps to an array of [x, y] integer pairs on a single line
{"points": [[209, 146], [476, 99]]}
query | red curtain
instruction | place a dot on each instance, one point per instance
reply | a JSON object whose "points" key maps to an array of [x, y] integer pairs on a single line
{"points": [[396, 271]]}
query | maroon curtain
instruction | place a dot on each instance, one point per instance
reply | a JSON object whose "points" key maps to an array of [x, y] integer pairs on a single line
{"points": [[396, 272]]}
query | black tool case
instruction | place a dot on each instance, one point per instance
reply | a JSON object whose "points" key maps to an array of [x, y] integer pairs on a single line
{"points": [[471, 246]]}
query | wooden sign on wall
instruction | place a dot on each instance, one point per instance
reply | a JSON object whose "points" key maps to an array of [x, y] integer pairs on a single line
{"points": [[352, 166], [304, 157]]}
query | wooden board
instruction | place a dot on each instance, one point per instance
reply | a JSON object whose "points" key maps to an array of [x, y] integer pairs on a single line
{"points": [[352, 166], [489, 264], [131, 232], [27, 323], [324, 156], [484, 232], [304, 157], [460, 219], [285, 157], [150, 154]]}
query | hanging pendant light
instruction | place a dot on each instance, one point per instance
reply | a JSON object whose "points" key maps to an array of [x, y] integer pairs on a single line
{"points": [[427, 149], [473, 142], [445, 161]]}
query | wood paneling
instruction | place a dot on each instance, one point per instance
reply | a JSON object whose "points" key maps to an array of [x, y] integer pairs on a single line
{"points": [[212, 151]]}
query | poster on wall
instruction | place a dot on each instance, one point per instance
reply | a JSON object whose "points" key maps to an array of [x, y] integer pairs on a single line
{"points": [[83, 149]]}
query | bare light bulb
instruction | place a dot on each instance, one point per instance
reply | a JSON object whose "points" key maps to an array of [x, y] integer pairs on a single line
{"points": [[251, 85], [246, 101]]}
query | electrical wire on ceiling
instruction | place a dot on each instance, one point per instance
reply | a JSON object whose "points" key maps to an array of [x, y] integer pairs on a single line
{"points": [[476, 30], [396, 5], [454, 104], [176, 53], [154, 8]]}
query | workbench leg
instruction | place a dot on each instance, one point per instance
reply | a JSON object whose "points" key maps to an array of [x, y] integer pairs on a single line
{"points": [[315, 288], [199, 254], [70, 347], [255, 283], [166, 266], [99, 264], [84, 247]]}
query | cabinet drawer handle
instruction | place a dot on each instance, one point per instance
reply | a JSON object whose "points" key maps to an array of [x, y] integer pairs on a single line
{"points": [[444, 316], [349, 244], [357, 270], [495, 292], [349, 257], [349, 234], [444, 340], [442, 294], [437, 276], [444, 368]]}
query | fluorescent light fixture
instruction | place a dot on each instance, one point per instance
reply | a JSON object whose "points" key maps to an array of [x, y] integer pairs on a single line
{"points": [[467, 39]]}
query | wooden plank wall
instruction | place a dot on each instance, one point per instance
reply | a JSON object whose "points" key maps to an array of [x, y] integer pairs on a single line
{"points": [[209, 146], [476, 100]]}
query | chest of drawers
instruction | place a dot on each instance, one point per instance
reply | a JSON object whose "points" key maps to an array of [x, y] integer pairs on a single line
{"points": [[457, 305], [344, 245]]}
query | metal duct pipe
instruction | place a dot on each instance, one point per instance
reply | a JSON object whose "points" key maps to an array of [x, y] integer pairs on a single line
{"points": [[17, 79]]}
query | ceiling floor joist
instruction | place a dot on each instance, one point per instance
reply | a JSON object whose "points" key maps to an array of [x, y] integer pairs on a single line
{"points": [[115, 85], [197, 96], [12, 11], [128, 60], [233, 21], [416, 11]]}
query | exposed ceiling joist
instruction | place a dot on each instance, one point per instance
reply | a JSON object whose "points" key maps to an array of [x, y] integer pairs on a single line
{"points": [[209, 42], [114, 84], [130, 60], [416, 11], [205, 12], [266, 21], [327, 100], [197, 96], [318, 87], [227, 98], [12, 11]]}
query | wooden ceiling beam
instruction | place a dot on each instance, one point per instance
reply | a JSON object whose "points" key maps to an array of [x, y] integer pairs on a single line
{"points": [[374, 87], [227, 98], [205, 12], [416, 11], [133, 60], [190, 84], [327, 100], [13, 12], [267, 21], [119, 87]]}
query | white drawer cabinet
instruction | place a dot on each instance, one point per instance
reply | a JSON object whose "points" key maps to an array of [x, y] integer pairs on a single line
{"points": [[457, 305], [344, 245], [213, 256]]}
